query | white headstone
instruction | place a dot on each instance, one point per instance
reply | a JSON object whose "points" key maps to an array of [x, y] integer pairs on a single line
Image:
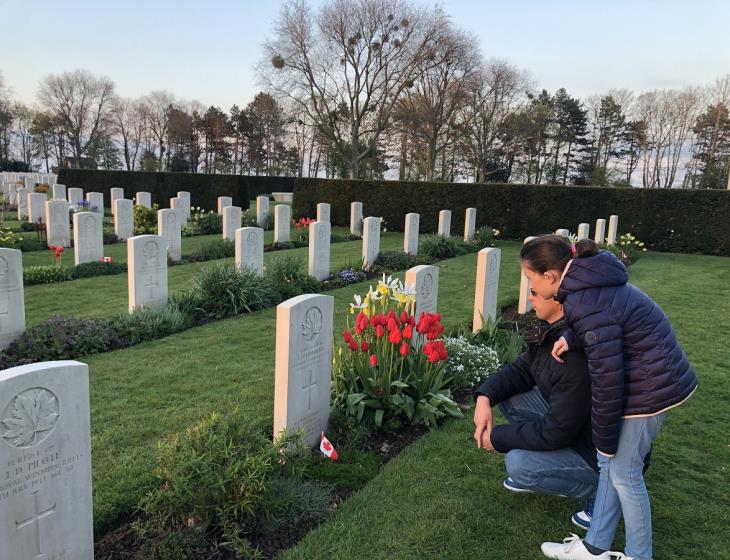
{"points": [[115, 193], [22, 200], [123, 218], [282, 223], [262, 210], [487, 287], [470, 224], [96, 202], [59, 192], [224, 201], [584, 231], [88, 237], [600, 231], [410, 235], [356, 218], [13, 194], [178, 205], [58, 229], [524, 305], [370, 241], [144, 199], [147, 271], [250, 249], [424, 279], [319, 250], [445, 223], [303, 365], [45, 462], [231, 222], [323, 212], [185, 196], [169, 229], [12, 303], [612, 230], [562, 232], [75, 196], [29, 183], [37, 207]]}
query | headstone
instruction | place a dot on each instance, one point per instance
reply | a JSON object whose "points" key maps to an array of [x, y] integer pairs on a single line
{"points": [[356, 218], [612, 230], [58, 229], [36, 207], [410, 235], [445, 223], [323, 212], [584, 231], [319, 250], [424, 280], [96, 202], [115, 193], [470, 224], [12, 304], [59, 192], [282, 223], [600, 231], [303, 365], [370, 241], [52, 179], [29, 183], [144, 199], [231, 222], [185, 196], [224, 201], [147, 271], [262, 211], [45, 459], [168, 228], [524, 305], [22, 200], [13, 194], [88, 237], [123, 218], [562, 232], [283, 197], [178, 205], [75, 196], [487, 287], [250, 249]]}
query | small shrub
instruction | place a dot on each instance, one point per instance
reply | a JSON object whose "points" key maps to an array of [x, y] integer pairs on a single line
{"points": [[507, 342], [10, 239], [484, 237], [627, 249], [392, 261], [27, 226], [224, 291], [440, 247], [97, 268], [49, 274], [344, 277], [30, 243], [469, 363], [149, 324], [287, 279], [145, 219], [185, 302], [208, 223], [110, 238], [213, 250], [248, 218], [62, 338]]}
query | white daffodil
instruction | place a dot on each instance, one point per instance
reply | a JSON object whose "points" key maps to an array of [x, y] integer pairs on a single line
{"points": [[358, 303]]}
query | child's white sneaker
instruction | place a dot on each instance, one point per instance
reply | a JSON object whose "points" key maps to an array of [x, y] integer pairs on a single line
{"points": [[572, 548]]}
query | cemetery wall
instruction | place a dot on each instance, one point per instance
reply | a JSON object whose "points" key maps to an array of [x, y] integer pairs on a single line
{"points": [[676, 220], [204, 188]]}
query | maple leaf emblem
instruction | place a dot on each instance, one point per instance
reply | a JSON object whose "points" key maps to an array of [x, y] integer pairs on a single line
{"points": [[312, 323], [34, 414], [327, 446]]}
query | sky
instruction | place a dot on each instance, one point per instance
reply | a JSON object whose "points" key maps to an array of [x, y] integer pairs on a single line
{"points": [[207, 51]]}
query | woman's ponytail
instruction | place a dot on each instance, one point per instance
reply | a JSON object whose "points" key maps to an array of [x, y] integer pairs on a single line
{"points": [[552, 252]]}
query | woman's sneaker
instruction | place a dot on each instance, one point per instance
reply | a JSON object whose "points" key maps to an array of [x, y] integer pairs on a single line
{"points": [[572, 548], [582, 520]]}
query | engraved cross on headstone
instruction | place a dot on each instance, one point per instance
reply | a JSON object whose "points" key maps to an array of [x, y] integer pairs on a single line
{"points": [[35, 521], [308, 389], [151, 285]]}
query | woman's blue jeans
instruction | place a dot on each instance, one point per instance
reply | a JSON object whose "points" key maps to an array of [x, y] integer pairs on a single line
{"points": [[621, 490]]}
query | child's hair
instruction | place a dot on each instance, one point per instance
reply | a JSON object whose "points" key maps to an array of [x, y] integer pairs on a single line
{"points": [[552, 252]]}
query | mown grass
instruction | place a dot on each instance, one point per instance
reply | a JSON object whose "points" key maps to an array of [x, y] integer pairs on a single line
{"points": [[141, 394], [442, 498]]}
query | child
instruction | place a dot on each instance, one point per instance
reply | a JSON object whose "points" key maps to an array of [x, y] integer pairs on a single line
{"points": [[638, 372]]}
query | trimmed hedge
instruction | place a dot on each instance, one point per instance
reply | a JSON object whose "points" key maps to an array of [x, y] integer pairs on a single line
{"points": [[204, 188], [674, 220]]}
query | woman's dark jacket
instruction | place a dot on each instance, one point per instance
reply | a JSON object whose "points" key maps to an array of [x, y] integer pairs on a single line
{"points": [[636, 365], [566, 389]]}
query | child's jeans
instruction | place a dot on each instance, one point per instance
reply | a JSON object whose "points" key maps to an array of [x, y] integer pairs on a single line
{"points": [[621, 489]]}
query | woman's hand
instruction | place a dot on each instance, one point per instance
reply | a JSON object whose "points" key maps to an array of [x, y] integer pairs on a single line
{"points": [[560, 347], [482, 420]]}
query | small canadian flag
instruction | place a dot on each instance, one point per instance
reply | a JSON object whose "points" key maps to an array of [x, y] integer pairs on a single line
{"points": [[327, 448]]}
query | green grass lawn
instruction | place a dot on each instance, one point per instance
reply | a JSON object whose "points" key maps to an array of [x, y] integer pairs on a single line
{"points": [[442, 498]]}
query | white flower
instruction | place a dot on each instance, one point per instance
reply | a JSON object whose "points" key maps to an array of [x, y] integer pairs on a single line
{"points": [[358, 303]]}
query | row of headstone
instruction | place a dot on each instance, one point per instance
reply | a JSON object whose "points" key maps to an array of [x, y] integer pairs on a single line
{"points": [[584, 231]]}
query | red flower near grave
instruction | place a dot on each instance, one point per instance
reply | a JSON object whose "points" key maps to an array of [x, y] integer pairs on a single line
{"points": [[353, 345], [365, 346], [379, 332], [346, 336], [403, 350], [395, 336], [408, 332], [373, 360]]}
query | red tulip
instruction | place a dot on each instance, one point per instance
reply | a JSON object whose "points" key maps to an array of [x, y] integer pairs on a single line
{"points": [[373, 360], [392, 324], [408, 332], [353, 345], [395, 337], [433, 358], [346, 335], [52, 247], [364, 346], [403, 317], [404, 349], [379, 332], [443, 354]]}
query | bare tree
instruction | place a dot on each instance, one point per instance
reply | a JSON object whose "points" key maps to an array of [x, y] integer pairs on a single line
{"points": [[347, 65], [129, 123], [81, 101], [157, 106]]}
